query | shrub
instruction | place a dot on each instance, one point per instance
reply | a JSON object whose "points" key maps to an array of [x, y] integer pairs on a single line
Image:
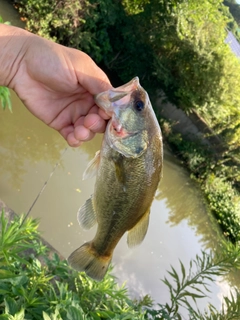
{"points": [[225, 205], [35, 286]]}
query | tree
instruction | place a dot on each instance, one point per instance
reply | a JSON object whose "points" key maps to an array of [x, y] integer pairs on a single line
{"points": [[234, 8]]}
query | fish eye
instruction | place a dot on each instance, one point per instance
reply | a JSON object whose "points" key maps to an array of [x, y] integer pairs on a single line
{"points": [[139, 105]]}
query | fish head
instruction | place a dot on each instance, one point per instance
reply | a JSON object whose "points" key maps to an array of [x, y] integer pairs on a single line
{"points": [[131, 112]]}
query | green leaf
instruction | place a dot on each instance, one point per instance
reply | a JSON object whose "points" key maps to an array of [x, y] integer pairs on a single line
{"points": [[46, 316], [11, 306], [6, 274], [19, 315], [74, 313]]}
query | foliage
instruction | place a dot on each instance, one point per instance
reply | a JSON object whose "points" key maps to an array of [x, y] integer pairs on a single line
{"points": [[234, 8], [233, 23], [225, 205], [216, 179], [5, 98], [4, 92], [192, 284], [71, 23], [35, 286], [56, 20]]}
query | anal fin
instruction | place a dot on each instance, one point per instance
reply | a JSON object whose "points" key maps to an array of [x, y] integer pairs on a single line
{"points": [[138, 232], [86, 215]]}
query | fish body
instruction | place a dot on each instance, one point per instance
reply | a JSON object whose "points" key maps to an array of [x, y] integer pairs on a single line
{"points": [[128, 169]]}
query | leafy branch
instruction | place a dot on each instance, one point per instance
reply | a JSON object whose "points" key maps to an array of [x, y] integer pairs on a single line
{"points": [[192, 285]]}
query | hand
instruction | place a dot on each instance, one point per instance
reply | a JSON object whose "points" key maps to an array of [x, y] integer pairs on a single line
{"points": [[57, 85]]}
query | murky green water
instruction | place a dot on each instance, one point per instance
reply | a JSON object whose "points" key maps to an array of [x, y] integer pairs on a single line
{"points": [[179, 227]]}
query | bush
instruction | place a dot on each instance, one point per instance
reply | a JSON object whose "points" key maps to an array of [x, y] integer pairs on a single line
{"points": [[217, 180], [35, 286], [225, 205]]}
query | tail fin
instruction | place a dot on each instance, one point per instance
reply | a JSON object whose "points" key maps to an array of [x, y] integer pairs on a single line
{"points": [[87, 259]]}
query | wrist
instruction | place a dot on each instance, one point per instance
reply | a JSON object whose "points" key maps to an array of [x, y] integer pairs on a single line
{"points": [[12, 51]]}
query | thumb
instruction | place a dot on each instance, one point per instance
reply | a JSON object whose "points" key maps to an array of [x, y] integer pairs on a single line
{"points": [[90, 76]]}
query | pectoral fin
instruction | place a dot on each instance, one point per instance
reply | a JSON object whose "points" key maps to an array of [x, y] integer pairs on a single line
{"points": [[92, 167], [86, 215], [138, 232]]}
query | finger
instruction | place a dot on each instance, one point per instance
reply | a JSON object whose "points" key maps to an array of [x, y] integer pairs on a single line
{"points": [[81, 133], [97, 110], [95, 123], [72, 141], [91, 76], [68, 135], [103, 114]]}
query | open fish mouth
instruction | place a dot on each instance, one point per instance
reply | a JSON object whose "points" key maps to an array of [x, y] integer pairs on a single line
{"points": [[118, 130], [130, 144]]}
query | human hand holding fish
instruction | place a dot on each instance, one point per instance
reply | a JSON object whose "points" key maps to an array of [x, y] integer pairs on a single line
{"points": [[128, 169], [55, 83]]}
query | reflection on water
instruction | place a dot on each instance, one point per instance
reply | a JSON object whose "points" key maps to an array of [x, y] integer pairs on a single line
{"points": [[185, 202]]}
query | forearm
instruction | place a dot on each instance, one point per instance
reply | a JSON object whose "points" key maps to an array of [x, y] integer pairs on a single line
{"points": [[12, 49]]}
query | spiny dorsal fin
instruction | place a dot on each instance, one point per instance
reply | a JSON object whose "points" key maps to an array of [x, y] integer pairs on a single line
{"points": [[86, 215], [92, 167], [138, 232]]}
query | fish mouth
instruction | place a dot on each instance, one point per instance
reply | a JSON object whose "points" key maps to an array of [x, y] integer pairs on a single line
{"points": [[130, 144], [118, 130]]}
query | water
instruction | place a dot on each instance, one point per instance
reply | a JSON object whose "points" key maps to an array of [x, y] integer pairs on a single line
{"points": [[180, 226]]}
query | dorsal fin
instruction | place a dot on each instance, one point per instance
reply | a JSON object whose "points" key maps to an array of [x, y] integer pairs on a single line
{"points": [[92, 167]]}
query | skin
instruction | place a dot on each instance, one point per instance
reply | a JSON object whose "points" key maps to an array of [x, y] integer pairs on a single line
{"points": [[55, 83]]}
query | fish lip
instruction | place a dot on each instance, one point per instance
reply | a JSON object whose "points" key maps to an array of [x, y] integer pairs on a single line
{"points": [[127, 135], [131, 134]]}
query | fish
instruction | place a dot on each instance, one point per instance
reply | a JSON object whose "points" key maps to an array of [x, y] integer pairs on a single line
{"points": [[128, 168]]}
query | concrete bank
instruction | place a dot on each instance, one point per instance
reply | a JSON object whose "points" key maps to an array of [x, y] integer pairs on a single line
{"points": [[191, 126], [10, 215]]}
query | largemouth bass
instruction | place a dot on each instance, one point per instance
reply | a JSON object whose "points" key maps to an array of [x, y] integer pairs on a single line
{"points": [[128, 169]]}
